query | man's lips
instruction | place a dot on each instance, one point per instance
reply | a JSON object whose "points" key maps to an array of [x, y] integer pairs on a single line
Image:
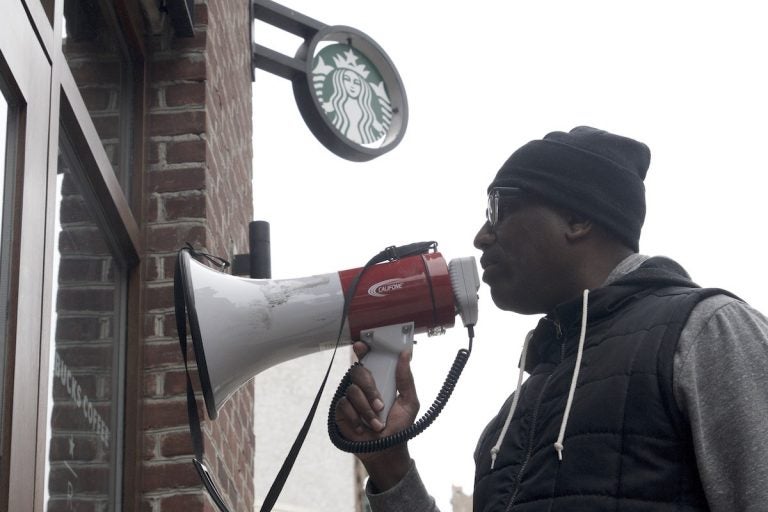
{"points": [[486, 261], [487, 266]]}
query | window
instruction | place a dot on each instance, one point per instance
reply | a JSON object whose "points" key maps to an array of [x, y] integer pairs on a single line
{"points": [[69, 105], [99, 60], [88, 325]]}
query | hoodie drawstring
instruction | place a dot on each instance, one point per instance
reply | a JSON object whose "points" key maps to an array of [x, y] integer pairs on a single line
{"points": [[561, 436], [497, 446], [582, 336]]}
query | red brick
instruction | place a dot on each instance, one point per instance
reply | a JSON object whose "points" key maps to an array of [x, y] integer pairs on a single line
{"points": [[186, 151], [96, 98], [185, 94], [165, 414], [177, 123], [160, 268], [151, 385], [159, 297], [162, 354], [175, 382], [153, 209], [176, 180], [84, 448], [185, 207], [197, 42], [89, 479], [201, 14], [82, 299], [174, 444], [100, 72], [73, 209], [81, 270], [169, 475], [183, 502], [179, 68], [171, 238], [153, 156], [78, 328], [107, 126], [85, 239], [148, 446], [169, 325]]}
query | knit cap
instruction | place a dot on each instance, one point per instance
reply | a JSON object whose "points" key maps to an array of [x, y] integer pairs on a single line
{"points": [[589, 171]]}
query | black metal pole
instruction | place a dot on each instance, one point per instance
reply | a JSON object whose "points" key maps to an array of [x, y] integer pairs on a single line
{"points": [[261, 260]]}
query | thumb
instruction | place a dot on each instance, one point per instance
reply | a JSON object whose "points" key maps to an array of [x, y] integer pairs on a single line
{"points": [[406, 386]]}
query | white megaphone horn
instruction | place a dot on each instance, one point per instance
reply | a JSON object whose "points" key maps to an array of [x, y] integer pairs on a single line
{"points": [[242, 326]]}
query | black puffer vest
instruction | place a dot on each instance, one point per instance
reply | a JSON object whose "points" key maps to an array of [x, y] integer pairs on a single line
{"points": [[626, 445]]}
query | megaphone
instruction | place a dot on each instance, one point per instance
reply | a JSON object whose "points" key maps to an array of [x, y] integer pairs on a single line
{"points": [[241, 326]]}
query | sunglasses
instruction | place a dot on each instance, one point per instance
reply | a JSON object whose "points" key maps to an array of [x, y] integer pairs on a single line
{"points": [[496, 198]]}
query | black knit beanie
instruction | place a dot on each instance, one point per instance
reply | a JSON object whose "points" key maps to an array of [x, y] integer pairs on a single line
{"points": [[592, 172]]}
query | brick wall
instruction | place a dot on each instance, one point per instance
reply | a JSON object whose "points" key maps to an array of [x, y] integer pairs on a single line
{"points": [[198, 190]]}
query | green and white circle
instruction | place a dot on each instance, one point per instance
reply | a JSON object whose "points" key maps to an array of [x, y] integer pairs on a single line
{"points": [[352, 94]]}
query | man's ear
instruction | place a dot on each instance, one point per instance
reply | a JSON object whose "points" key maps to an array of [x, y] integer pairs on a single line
{"points": [[578, 227]]}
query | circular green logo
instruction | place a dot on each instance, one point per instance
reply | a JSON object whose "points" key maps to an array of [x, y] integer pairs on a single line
{"points": [[352, 93]]}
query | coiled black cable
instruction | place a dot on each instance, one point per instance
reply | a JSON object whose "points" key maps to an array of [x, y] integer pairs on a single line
{"points": [[409, 433]]}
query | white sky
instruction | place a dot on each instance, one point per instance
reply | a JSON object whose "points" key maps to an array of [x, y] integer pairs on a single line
{"points": [[687, 78]]}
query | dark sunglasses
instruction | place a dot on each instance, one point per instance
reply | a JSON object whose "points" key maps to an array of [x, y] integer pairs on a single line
{"points": [[496, 197]]}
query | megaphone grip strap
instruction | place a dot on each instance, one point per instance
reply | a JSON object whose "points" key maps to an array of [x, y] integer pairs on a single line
{"points": [[180, 308]]}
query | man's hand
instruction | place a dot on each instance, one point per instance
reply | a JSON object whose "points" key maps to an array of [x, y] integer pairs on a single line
{"points": [[358, 419]]}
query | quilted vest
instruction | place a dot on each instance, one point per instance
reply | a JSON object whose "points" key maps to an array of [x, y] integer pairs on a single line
{"points": [[626, 445]]}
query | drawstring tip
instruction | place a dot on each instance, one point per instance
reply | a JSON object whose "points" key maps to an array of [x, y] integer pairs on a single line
{"points": [[494, 452], [559, 449]]}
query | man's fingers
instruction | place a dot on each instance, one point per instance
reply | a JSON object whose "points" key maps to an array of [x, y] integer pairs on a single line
{"points": [[366, 409], [363, 379], [346, 415], [360, 349]]}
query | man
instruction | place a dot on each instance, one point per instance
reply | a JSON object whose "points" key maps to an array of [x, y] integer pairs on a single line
{"points": [[645, 392]]}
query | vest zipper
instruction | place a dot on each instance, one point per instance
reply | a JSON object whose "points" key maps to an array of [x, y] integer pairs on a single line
{"points": [[529, 453]]}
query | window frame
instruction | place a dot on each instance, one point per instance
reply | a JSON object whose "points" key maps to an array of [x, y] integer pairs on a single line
{"points": [[47, 99]]}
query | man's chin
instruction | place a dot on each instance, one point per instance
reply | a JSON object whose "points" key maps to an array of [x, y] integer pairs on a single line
{"points": [[508, 302]]}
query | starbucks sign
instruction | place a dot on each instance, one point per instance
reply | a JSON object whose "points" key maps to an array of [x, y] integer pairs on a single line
{"points": [[347, 89], [351, 96]]}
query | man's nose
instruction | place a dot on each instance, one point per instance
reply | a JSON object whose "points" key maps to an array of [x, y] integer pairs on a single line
{"points": [[484, 237]]}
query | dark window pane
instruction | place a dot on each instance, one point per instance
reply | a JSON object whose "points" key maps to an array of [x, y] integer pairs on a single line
{"points": [[98, 59], [88, 331]]}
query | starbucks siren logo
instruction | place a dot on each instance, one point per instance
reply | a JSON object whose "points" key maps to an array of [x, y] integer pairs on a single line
{"points": [[352, 93]]}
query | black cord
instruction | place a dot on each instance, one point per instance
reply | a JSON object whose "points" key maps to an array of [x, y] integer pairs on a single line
{"points": [[375, 445]]}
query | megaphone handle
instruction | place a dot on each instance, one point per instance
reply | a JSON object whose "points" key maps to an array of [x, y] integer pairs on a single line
{"points": [[385, 345]]}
